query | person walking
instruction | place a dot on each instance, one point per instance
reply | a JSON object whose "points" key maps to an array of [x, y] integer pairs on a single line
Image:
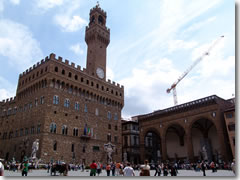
{"points": [[108, 169], [118, 168], [203, 167], [128, 170], [165, 170], [158, 170], [113, 168], [1, 168], [212, 166], [25, 168], [99, 168], [145, 169], [93, 168]]}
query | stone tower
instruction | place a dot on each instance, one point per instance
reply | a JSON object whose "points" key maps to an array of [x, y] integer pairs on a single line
{"points": [[97, 38]]}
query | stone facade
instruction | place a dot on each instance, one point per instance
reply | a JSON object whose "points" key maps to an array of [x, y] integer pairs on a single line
{"points": [[72, 111], [130, 144], [192, 131]]}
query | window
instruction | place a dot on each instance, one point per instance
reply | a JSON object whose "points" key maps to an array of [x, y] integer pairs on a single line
{"points": [[64, 130], [76, 77], [75, 132], [56, 69], [109, 137], [26, 131], [55, 100], [85, 108], [109, 115], [55, 145], [21, 132], [53, 128], [77, 106], [70, 74], [30, 105], [84, 149], [36, 102], [42, 100], [81, 79], [115, 139], [87, 82], [63, 72], [229, 115], [16, 133], [116, 128], [135, 140], [125, 141], [96, 148], [72, 147], [97, 112], [39, 128], [32, 130], [115, 116], [66, 103], [109, 126]]}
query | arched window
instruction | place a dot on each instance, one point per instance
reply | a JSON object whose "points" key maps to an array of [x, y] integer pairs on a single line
{"points": [[53, 128], [116, 116], [109, 116], [55, 145], [75, 132], [67, 103], [63, 72], [56, 69], [85, 108], [100, 20], [55, 99], [64, 130], [70, 74], [77, 106]]}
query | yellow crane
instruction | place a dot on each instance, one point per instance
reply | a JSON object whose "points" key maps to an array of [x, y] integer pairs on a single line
{"points": [[174, 85]]}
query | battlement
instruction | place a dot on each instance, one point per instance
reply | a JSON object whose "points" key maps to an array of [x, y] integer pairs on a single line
{"points": [[97, 8], [43, 61], [106, 28], [113, 83], [9, 100]]}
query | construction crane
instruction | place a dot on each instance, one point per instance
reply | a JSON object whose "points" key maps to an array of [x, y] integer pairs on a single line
{"points": [[173, 87]]}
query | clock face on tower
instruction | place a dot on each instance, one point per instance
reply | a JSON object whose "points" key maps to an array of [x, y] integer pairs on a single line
{"points": [[100, 73]]}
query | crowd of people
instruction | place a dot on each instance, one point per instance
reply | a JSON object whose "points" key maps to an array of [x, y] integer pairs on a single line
{"points": [[117, 168]]}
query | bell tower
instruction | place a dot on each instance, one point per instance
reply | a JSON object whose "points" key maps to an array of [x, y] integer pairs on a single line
{"points": [[97, 37]]}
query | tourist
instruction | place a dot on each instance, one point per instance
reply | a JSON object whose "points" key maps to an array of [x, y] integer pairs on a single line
{"points": [[108, 169], [158, 170], [173, 170], [1, 168], [203, 167], [212, 166], [99, 168], [93, 168], [233, 166], [113, 168], [128, 170], [165, 170], [25, 168], [145, 169], [118, 165]]}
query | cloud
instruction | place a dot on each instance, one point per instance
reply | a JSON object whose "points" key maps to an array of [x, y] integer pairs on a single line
{"points": [[1, 6], [76, 48], [47, 4], [69, 23], [18, 45], [110, 73], [15, 2], [6, 89], [174, 45]]}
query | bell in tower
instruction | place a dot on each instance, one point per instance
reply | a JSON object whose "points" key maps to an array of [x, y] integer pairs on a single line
{"points": [[97, 38]]}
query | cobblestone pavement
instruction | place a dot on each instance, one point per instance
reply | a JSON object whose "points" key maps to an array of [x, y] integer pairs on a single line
{"points": [[86, 173]]}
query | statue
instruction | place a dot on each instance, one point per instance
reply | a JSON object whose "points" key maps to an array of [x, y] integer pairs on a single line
{"points": [[35, 147], [125, 156], [109, 148], [204, 152]]}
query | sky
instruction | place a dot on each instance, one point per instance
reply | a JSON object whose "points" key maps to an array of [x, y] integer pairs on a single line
{"points": [[152, 44]]}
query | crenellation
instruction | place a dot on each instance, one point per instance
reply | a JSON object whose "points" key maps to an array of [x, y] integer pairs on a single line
{"points": [[30, 69], [60, 58], [34, 66], [78, 67], [73, 65], [113, 83], [109, 81], [42, 61], [26, 71], [66, 62], [122, 87], [52, 56]]}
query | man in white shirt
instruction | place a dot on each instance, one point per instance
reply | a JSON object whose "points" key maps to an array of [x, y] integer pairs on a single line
{"points": [[1, 168], [128, 170]]}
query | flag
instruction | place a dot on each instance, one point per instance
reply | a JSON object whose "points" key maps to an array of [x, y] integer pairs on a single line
{"points": [[85, 130], [89, 132]]}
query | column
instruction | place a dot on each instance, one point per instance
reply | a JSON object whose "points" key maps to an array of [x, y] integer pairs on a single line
{"points": [[164, 148], [190, 147]]}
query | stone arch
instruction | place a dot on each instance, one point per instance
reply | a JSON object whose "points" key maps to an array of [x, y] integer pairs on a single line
{"points": [[204, 135], [152, 145], [175, 138]]}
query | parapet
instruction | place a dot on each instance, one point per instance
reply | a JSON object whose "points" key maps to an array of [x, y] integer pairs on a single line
{"points": [[9, 100]]}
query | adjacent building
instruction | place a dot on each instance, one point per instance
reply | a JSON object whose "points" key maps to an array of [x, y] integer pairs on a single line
{"points": [[72, 111]]}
